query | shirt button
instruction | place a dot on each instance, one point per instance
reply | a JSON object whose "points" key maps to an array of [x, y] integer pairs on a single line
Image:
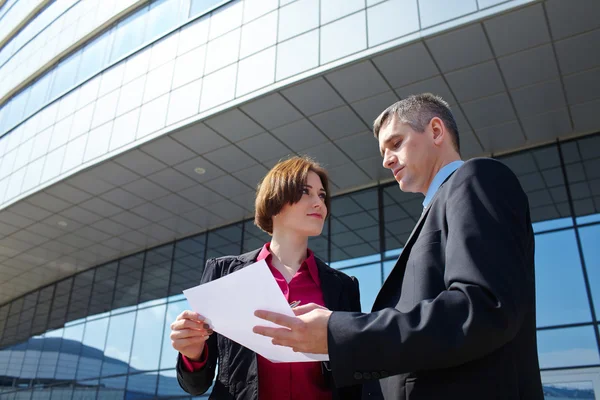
{"points": [[384, 374], [358, 375], [376, 375], [367, 375]]}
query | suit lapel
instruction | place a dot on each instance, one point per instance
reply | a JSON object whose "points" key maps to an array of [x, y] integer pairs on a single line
{"points": [[397, 274], [331, 286]]}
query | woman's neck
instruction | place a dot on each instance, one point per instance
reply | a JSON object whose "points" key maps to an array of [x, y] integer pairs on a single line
{"points": [[289, 253]]}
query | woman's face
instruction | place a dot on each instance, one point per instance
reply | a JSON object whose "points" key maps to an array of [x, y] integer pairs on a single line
{"points": [[307, 216]]}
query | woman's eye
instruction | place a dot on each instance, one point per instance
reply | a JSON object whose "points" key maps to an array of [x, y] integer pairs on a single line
{"points": [[322, 196], [304, 191]]}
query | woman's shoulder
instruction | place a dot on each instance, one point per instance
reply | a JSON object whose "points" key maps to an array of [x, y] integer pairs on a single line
{"points": [[219, 266]]}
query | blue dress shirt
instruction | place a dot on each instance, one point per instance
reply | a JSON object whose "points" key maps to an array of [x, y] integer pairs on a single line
{"points": [[439, 178]]}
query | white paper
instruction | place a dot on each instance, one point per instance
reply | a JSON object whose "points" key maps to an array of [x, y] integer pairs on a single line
{"points": [[228, 304]]}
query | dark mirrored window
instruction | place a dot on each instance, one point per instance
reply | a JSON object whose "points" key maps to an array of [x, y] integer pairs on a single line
{"points": [[142, 386], [168, 387], [254, 237], [157, 270], [319, 245], [12, 322], [188, 263], [26, 316], [42, 310], [225, 241], [401, 211], [128, 281], [17, 355], [49, 357], [58, 312], [80, 295], [564, 300], [112, 388], [32, 357], [103, 289]]}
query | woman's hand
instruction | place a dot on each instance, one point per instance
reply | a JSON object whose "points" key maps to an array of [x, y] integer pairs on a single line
{"points": [[189, 332]]}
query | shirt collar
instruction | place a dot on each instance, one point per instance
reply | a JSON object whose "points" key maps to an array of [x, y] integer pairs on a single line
{"points": [[310, 262], [439, 178]]}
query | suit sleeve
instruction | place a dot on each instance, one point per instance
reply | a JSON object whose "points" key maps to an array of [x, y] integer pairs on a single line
{"points": [[488, 288], [199, 381]]}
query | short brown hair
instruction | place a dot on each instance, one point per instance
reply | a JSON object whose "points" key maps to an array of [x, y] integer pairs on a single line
{"points": [[417, 111], [283, 185]]}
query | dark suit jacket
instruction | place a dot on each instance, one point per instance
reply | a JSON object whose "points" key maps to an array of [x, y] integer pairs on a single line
{"points": [[238, 375], [456, 317]]}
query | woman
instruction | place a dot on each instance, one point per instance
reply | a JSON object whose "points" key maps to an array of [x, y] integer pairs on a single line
{"points": [[292, 203]]}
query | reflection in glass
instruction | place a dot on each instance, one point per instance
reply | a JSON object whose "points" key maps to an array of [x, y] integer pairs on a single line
{"points": [[94, 56], [254, 237], [200, 6], [112, 388], [401, 211], [80, 295], [168, 387], [65, 75], [42, 310], [94, 338], [567, 347], [70, 347], [188, 264], [142, 386], [128, 281], [58, 311], [163, 16], [129, 34], [369, 279], [118, 344], [32, 357], [569, 390], [225, 241], [17, 355], [564, 300], [157, 268], [49, 356], [590, 237], [103, 289], [168, 358], [147, 338]]}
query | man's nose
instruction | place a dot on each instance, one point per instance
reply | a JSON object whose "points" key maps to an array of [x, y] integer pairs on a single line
{"points": [[388, 160]]}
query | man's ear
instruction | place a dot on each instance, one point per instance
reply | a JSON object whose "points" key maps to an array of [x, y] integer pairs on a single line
{"points": [[438, 130]]}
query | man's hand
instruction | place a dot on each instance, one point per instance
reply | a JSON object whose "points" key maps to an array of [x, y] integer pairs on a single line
{"points": [[305, 333], [189, 332]]}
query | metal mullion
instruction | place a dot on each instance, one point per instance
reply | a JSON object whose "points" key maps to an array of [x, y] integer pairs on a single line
{"points": [[586, 280]]}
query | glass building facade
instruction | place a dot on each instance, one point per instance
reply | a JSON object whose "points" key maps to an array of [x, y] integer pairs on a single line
{"points": [[133, 133], [104, 333]]}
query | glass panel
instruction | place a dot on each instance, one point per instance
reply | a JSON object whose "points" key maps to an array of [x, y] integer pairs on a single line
{"points": [[157, 269], [70, 348], [65, 75], [590, 237], [4, 360], [129, 34], [32, 357], [58, 311], [569, 390], [582, 164], [552, 224], [319, 245], [225, 241], [103, 289], [567, 347], [112, 388], [92, 352], [168, 387], [163, 16], [39, 93], [86, 390], [49, 357], [142, 386], [80, 295], [401, 212], [564, 300], [61, 393], [9, 335], [95, 56], [254, 237], [145, 354], [26, 316], [168, 358], [118, 344], [17, 354], [42, 310], [355, 229], [200, 6], [369, 278], [128, 281], [188, 263]]}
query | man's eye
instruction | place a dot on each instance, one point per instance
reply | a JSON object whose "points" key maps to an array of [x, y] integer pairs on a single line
{"points": [[397, 144]]}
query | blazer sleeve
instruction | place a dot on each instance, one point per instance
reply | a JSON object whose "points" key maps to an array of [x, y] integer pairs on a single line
{"points": [[489, 284], [198, 382]]}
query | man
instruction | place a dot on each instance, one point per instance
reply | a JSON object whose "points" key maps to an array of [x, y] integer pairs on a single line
{"points": [[456, 317]]}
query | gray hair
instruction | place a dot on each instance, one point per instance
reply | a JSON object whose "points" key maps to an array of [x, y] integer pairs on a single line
{"points": [[417, 111]]}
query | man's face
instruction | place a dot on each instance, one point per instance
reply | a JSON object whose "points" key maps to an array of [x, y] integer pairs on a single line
{"points": [[410, 155]]}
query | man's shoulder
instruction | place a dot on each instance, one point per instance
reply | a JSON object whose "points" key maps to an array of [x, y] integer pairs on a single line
{"points": [[483, 168]]}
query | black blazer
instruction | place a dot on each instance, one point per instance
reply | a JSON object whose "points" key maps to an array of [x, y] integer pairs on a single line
{"points": [[456, 317], [238, 374]]}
